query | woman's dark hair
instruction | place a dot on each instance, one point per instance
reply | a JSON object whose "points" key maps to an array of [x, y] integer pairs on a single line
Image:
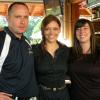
{"points": [[16, 3], [45, 22], [76, 45]]}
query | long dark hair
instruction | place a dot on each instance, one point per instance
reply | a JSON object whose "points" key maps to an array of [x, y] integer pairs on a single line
{"points": [[76, 45], [45, 22]]}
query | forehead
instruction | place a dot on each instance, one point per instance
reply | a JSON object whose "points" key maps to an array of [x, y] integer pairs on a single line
{"points": [[18, 8], [52, 23], [86, 25], [83, 25]]}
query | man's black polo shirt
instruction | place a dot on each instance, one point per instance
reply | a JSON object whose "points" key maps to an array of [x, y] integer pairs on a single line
{"points": [[17, 75]]}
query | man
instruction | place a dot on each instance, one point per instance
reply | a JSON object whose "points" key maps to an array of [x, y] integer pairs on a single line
{"points": [[17, 76]]}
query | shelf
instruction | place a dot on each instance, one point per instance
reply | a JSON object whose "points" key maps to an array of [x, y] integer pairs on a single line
{"points": [[96, 19], [96, 25]]}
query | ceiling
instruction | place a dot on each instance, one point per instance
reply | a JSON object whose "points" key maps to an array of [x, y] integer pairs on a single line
{"points": [[36, 7], [21, 0]]}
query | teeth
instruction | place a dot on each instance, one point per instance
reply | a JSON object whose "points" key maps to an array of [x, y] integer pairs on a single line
{"points": [[51, 36], [82, 36]]}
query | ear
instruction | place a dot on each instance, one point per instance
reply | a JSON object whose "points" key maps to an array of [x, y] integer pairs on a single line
{"points": [[59, 29], [7, 18]]}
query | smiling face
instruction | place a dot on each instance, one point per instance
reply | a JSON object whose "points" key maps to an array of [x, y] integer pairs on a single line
{"points": [[83, 33], [51, 32], [18, 19]]}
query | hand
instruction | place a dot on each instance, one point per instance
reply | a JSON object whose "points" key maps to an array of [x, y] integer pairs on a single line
{"points": [[5, 96], [67, 81]]}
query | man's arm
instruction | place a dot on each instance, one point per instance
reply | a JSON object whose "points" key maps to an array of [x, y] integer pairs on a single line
{"points": [[5, 96]]}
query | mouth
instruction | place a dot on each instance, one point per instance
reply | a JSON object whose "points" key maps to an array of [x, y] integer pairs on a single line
{"points": [[21, 28], [82, 36]]}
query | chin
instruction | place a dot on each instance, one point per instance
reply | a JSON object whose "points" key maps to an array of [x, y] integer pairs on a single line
{"points": [[22, 30], [51, 41], [83, 41], [20, 33]]}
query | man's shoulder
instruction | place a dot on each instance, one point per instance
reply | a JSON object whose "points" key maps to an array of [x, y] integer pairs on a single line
{"points": [[2, 36], [2, 39], [36, 49], [36, 46]]}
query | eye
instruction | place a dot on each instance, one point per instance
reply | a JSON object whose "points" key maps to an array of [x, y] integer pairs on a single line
{"points": [[78, 29], [46, 29], [86, 28], [26, 17], [17, 16], [55, 29]]}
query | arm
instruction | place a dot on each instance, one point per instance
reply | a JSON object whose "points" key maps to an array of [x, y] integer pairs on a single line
{"points": [[68, 79], [5, 96]]}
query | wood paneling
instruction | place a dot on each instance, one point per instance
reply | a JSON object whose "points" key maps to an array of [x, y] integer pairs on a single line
{"points": [[36, 9]]}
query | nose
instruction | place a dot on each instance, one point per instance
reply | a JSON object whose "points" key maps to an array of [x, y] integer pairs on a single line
{"points": [[22, 21], [51, 30], [81, 30]]}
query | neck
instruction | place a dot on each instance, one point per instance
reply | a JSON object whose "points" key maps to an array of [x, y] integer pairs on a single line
{"points": [[18, 35], [53, 44], [86, 48], [52, 47]]}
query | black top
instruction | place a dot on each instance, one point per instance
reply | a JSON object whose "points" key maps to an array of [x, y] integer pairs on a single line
{"points": [[85, 77], [17, 75], [51, 72]]}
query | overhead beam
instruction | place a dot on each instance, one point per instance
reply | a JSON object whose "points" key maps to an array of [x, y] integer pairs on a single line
{"points": [[34, 1]]}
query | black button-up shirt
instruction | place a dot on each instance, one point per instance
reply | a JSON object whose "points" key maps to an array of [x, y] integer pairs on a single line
{"points": [[51, 71]]}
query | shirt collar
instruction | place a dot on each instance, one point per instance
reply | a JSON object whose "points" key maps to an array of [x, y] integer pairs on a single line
{"points": [[6, 29]]}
